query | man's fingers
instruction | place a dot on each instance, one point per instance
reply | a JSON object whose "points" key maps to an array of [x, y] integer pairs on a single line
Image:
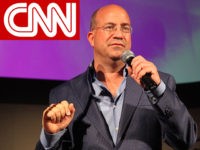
{"points": [[72, 109], [61, 107], [47, 112], [56, 112], [66, 106]]}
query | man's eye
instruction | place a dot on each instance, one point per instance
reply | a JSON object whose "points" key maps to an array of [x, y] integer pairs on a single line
{"points": [[109, 27], [126, 29]]}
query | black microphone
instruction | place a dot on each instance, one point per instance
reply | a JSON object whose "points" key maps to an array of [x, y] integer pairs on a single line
{"points": [[146, 80]]}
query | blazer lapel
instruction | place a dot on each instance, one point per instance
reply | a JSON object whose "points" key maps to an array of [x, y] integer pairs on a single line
{"points": [[131, 99], [90, 109], [98, 121]]}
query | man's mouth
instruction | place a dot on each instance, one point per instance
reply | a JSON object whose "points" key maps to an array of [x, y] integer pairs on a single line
{"points": [[117, 44]]}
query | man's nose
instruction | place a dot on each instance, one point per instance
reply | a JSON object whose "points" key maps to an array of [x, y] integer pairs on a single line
{"points": [[118, 32]]}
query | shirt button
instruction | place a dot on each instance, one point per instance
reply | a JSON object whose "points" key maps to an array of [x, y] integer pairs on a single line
{"points": [[116, 128]]}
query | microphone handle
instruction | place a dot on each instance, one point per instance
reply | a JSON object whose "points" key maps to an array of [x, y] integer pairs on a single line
{"points": [[148, 83], [146, 80]]}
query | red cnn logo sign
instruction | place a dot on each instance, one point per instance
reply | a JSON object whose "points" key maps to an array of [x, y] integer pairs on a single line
{"points": [[58, 19]]}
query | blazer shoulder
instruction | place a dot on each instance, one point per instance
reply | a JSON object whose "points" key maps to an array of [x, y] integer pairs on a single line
{"points": [[166, 76], [67, 89], [68, 83]]}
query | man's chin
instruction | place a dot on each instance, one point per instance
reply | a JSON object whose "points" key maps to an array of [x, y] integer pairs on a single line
{"points": [[116, 58]]}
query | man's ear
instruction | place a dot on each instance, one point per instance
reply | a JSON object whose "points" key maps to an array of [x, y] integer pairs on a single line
{"points": [[90, 37]]}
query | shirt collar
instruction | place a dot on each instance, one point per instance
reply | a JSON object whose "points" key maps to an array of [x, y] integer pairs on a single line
{"points": [[99, 87]]}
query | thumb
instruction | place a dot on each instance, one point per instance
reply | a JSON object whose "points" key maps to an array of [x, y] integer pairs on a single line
{"points": [[72, 109]]}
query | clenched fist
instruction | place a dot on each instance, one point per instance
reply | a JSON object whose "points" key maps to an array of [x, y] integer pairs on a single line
{"points": [[56, 117]]}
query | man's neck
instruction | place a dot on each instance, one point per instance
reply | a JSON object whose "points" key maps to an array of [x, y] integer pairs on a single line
{"points": [[110, 75], [111, 70]]}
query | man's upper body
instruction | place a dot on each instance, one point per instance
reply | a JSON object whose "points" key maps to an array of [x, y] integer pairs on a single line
{"points": [[143, 125], [82, 114]]}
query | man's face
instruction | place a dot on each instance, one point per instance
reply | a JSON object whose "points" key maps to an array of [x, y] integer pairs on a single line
{"points": [[112, 33]]}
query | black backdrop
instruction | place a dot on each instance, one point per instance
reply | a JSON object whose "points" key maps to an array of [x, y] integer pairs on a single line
{"points": [[33, 91]]}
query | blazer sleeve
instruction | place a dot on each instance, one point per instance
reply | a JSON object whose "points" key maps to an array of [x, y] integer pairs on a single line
{"points": [[178, 127], [56, 95]]}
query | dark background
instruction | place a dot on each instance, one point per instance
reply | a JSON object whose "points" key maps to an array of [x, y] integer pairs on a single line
{"points": [[33, 91]]}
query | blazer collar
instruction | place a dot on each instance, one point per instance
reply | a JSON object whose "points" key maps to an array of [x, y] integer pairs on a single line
{"points": [[131, 100]]}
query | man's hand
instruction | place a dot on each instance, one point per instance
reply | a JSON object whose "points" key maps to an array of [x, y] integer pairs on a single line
{"points": [[56, 117], [140, 66]]}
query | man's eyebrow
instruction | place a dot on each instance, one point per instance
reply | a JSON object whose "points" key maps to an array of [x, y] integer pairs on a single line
{"points": [[122, 24], [125, 24], [110, 23]]}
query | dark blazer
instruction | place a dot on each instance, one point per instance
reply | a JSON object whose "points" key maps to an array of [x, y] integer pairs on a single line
{"points": [[143, 125]]}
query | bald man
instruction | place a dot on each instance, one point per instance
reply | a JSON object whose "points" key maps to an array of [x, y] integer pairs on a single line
{"points": [[107, 106]]}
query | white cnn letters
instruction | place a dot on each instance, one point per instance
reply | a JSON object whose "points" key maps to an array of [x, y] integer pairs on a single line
{"points": [[36, 17]]}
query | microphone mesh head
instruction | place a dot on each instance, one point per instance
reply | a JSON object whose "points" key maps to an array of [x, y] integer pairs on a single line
{"points": [[126, 55]]}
